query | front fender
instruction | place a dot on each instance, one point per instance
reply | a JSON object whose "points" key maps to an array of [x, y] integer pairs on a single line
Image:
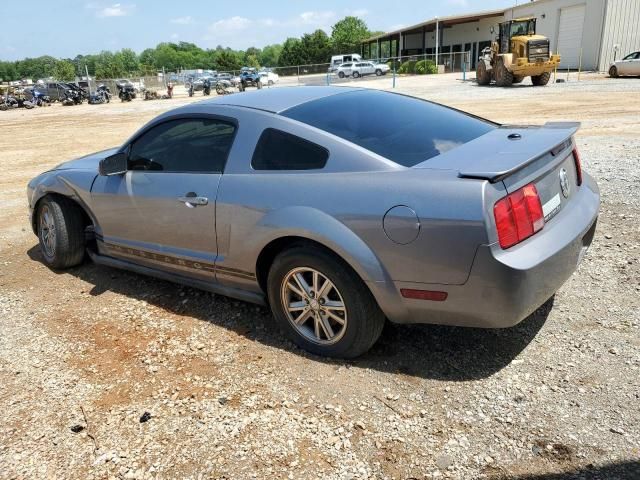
{"points": [[73, 184]]}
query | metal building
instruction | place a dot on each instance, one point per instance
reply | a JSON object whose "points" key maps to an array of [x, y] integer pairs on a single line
{"points": [[586, 33]]}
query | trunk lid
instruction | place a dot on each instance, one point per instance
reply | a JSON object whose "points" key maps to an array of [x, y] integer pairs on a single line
{"points": [[518, 156]]}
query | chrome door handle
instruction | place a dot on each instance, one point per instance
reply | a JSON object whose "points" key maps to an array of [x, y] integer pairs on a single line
{"points": [[192, 200]]}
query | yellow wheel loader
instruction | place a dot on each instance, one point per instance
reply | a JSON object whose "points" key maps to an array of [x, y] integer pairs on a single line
{"points": [[517, 53]]}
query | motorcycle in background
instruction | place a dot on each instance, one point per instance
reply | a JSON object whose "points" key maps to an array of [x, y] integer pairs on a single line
{"points": [[126, 91], [206, 87], [38, 99], [8, 102], [101, 95], [71, 97]]}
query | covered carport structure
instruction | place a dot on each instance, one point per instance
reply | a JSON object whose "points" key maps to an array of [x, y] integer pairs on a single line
{"points": [[436, 38]]}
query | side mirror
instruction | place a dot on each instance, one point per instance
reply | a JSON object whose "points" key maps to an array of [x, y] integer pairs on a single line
{"points": [[115, 164]]}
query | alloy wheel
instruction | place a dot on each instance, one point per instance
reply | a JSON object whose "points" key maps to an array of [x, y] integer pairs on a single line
{"points": [[48, 231], [314, 306]]}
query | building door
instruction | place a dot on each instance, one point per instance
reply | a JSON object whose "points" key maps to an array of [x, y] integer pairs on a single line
{"points": [[570, 35]]}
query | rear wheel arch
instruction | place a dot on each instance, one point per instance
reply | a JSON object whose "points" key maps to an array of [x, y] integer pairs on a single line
{"points": [[275, 247]]}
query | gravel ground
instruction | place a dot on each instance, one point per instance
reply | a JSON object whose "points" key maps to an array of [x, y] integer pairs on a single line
{"points": [[111, 375]]}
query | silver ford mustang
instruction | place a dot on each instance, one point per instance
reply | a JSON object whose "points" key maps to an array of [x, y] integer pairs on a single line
{"points": [[338, 207]]}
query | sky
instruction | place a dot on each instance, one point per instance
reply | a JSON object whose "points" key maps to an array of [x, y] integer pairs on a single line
{"points": [[66, 28]]}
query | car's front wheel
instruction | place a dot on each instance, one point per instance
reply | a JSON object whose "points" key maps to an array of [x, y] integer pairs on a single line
{"points": [[60, 232], [356, 74], [341, 74], [322, 305], [378, 72], [613, 71]]}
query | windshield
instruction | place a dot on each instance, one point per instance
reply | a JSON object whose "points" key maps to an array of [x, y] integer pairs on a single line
{"points": [[524, 27], [403, 129]]}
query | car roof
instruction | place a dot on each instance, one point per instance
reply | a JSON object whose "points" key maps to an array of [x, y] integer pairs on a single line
{"points": [[277, 99]]}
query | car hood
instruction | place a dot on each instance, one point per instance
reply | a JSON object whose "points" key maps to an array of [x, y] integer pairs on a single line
{"points": [[88, 162]]}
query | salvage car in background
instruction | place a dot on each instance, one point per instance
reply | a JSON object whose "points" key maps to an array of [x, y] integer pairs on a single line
{"points": [[629, 65], [268, 77], [249, 77], [358, 69], [336, 221]]}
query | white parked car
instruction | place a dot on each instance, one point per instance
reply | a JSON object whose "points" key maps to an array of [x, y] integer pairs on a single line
{"points": [[269, 78], [357, 69], [629, 65], [337, 60]]}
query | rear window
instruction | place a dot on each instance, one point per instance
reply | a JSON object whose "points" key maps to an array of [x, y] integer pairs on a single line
{"points": [[278, 150], [403, 129]]}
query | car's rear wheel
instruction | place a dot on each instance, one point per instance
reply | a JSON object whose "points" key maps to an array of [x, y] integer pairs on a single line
{"points": [[356, 74], [60, 232], [322, 305], [613, 71]]}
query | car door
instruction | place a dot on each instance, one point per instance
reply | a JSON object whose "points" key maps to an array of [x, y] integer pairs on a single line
{"points": [[161, 212], [625, 66], [634, 64]]}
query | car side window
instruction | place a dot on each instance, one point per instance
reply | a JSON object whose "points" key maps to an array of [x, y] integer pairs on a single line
{"points": [[278, 150], [184, 145]]}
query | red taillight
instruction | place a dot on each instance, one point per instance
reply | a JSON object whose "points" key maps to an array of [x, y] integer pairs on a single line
{"points": [[576, 158], [518, 216]]}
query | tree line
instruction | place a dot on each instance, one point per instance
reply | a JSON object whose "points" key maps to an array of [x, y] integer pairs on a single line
{"points": [[316, 47]]}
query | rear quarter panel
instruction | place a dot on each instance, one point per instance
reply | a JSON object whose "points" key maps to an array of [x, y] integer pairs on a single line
{"points": [[343, 207]]}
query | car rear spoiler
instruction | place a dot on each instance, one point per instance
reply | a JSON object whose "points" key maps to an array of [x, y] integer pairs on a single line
{"points": [[505, 150]]}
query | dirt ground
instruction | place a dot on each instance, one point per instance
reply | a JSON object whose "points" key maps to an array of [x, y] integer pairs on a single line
{"points": [[85, 353]]}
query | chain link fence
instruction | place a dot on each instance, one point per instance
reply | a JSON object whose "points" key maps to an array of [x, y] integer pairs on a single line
{"points": [[395, 67]]}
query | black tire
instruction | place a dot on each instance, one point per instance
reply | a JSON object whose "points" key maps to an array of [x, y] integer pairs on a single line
{"points": [[378, 72], [541, 80], [483, 77], [67, 247], [504, 78], [517, 79], [364, 319], [356, 74], [340, 74], [613, 71], [270, 83]]}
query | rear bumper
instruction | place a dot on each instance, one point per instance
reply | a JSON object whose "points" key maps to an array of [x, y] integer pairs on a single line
{"points": [[506, 286]]}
